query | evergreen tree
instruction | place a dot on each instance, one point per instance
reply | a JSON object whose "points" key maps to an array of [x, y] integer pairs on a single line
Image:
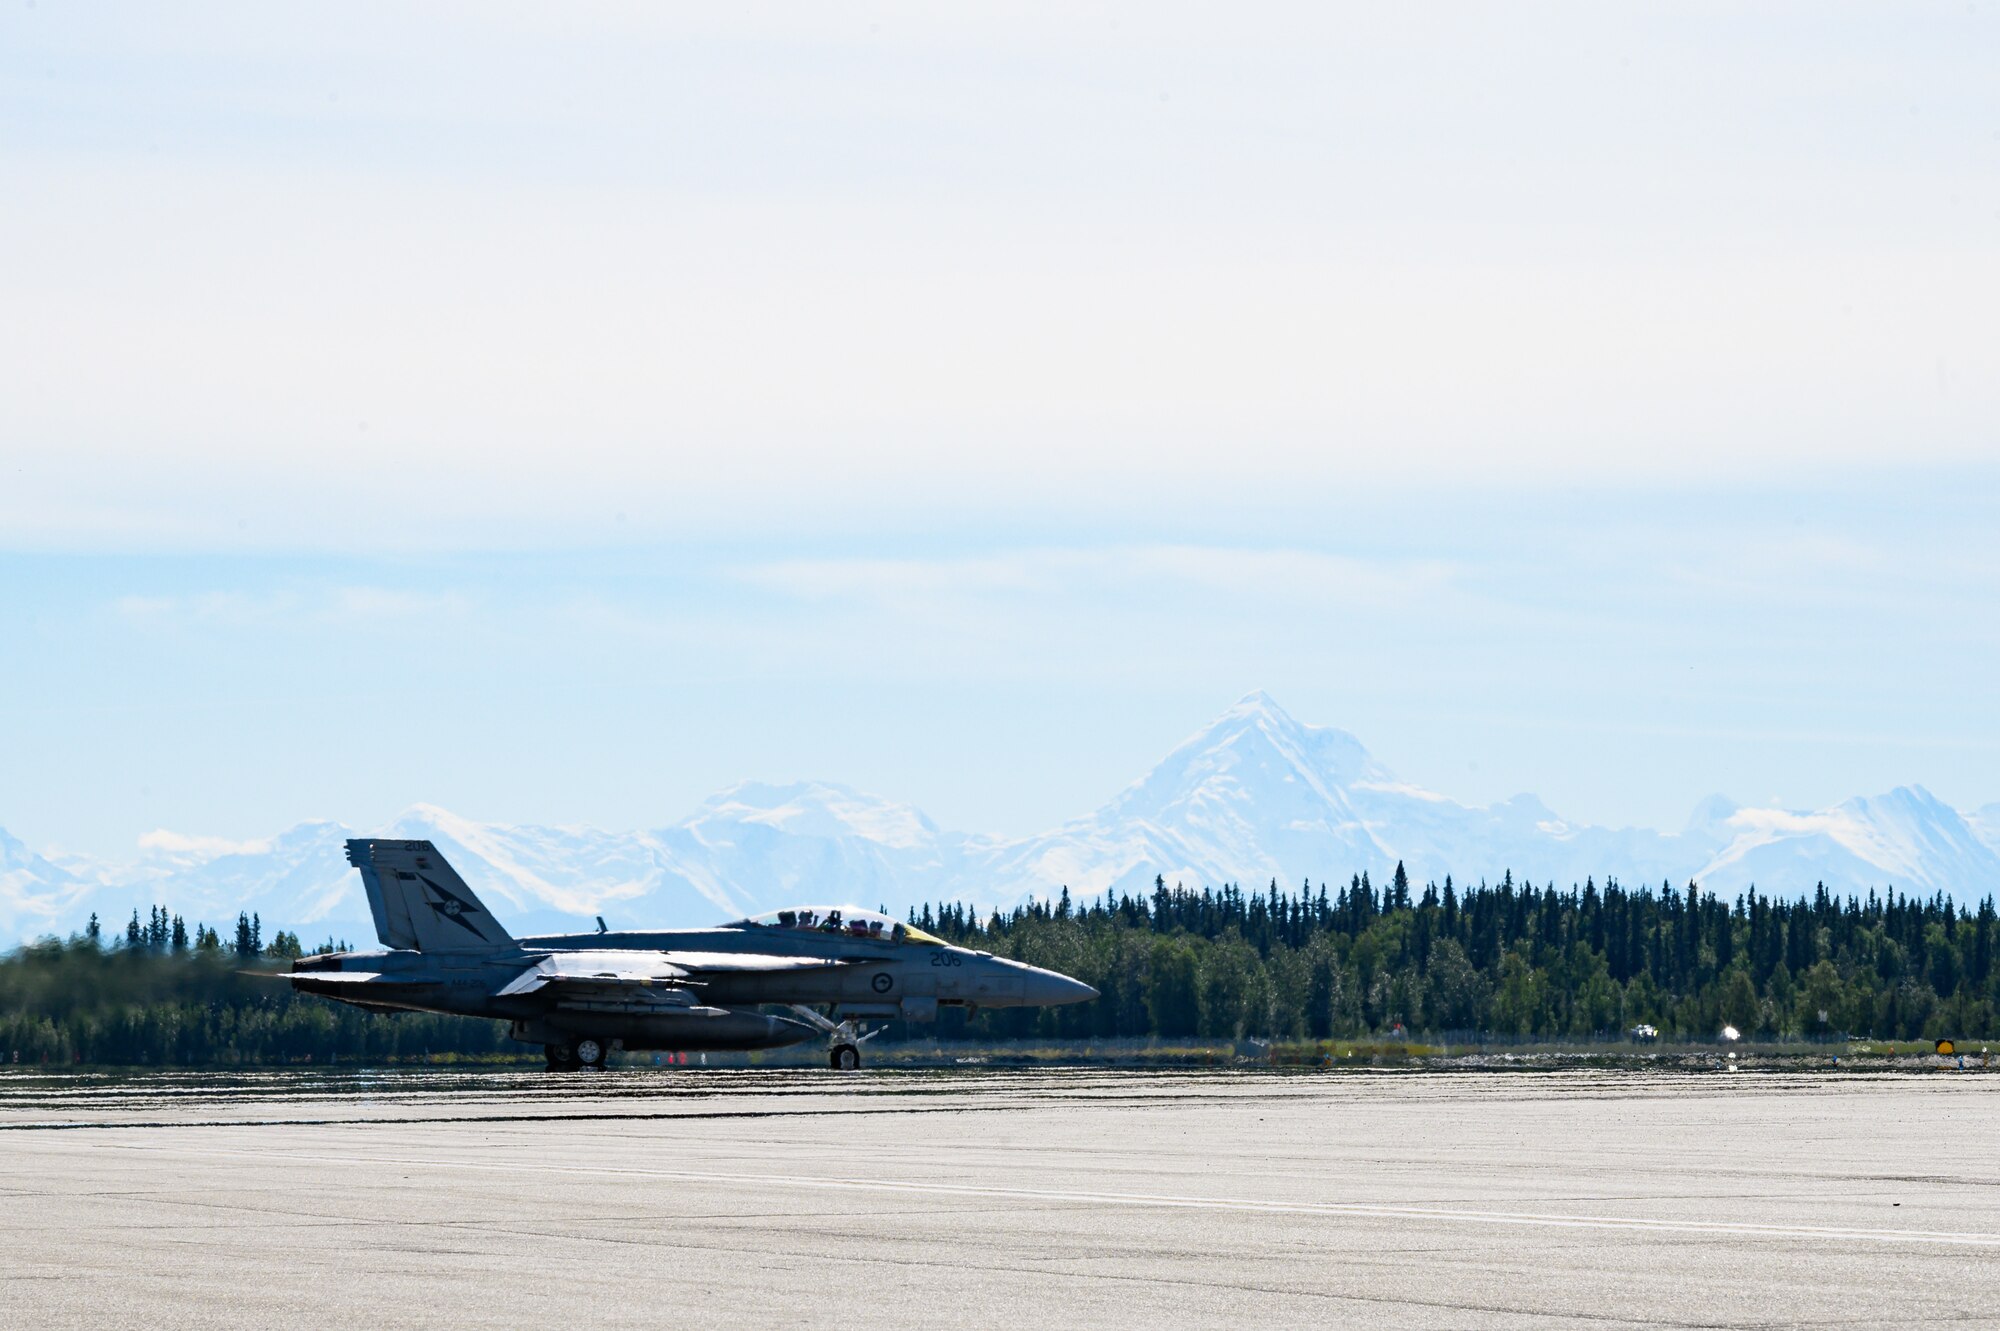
{"points": [[1983, 944], [1172, 1001], [1320, 980]]}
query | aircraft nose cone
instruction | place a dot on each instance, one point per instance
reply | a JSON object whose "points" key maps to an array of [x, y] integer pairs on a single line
{"points": [[1050, 989]]}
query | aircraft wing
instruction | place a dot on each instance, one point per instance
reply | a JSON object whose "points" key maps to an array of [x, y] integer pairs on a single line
{"points": [[601, 968], [607, 979], [731, 963], [628, 983]]}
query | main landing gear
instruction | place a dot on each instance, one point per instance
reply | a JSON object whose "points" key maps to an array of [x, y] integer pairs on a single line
{"points": [[588, 1053], [844, 1058]]}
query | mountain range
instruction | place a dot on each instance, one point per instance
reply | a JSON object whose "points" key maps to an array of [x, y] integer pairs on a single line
{"points": [[1253, 796]]}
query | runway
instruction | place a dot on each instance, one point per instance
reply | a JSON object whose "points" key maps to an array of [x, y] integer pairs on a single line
{"points": [[982, 1198]]}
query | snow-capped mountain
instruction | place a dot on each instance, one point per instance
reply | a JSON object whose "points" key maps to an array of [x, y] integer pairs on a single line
{"points": [[300, 875], [37, 895], [1254, 795], [1985, 824], [1257, 795], [758, 845], [1906, 837]]}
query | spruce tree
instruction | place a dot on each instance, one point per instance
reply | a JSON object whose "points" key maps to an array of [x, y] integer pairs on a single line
{"points": [[1319, 994]]}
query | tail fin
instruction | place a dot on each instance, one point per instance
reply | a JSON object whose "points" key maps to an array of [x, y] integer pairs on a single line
{"points": [[420, 902]]}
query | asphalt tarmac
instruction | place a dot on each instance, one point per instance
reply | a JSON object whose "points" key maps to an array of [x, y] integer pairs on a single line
{"points": [[984, 1198]]}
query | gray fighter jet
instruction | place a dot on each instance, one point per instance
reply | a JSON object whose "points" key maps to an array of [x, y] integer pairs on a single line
{"points": [[834, 969]]}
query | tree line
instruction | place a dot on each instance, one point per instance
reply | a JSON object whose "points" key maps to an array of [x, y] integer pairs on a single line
{"points": [[1509, 960], [165, 931], [164, 994]]}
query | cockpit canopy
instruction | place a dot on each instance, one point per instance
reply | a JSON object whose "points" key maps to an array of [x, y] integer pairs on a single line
{"points": [[845, 921]]}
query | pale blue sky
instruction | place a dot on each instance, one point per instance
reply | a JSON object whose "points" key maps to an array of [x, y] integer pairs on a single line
{"points": [[559, 413]]}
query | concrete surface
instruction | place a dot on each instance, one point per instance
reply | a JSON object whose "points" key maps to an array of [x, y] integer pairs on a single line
{"points": [[989, 1198]]}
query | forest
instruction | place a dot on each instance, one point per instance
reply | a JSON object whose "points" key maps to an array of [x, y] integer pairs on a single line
{"points": [[1505, 961], [162, 993], [1502, 962]]}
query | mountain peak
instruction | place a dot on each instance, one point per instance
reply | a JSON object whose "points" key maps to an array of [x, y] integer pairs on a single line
{"points": [[1711, 817], [1902, 797], [1328, 751], [1254, 754], [815, 808], [1261, 709], [1258, 700]]}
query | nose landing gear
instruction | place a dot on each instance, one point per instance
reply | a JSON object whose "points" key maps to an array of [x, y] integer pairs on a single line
{"points": [[844, 1038]]}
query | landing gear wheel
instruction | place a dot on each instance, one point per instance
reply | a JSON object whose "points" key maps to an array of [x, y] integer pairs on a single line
{"points": [[590, 1053], [844, 1058], [562, 1057]]}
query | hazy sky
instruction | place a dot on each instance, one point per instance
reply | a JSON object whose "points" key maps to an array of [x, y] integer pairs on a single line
{"points": [[560, 412]]}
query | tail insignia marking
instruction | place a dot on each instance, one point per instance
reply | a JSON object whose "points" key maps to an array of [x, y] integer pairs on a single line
{"points": [[452, 908]]}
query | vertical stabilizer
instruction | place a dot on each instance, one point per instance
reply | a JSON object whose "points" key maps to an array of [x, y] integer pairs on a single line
{"points": [[420, 902]]}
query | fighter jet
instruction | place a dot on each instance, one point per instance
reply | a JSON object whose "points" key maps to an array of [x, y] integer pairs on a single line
{"points": [[834, 969]]}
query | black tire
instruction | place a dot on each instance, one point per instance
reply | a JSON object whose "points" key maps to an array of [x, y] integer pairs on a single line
{"points": [[562, 1057], [591, 1052], [844, 1058]]}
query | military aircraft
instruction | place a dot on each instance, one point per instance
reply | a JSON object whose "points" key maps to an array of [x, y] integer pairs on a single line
{"points": [[834, 968]]}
